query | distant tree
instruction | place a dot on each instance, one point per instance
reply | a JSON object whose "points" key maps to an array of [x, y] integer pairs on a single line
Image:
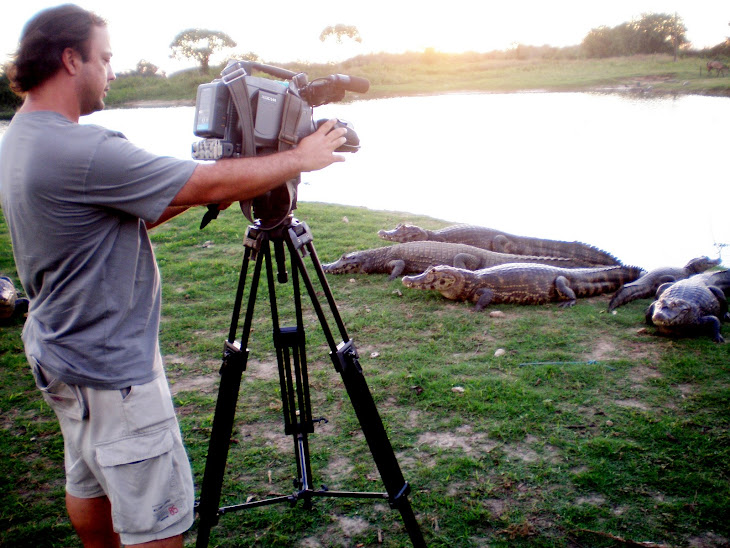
{"points": [[677, 32], [659, 32], [339, 31], [599, 42], [145, 68], [652, 33], [199, 45]]}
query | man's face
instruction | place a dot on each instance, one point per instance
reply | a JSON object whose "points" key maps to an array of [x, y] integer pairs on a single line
{"points": [[96, 72]]}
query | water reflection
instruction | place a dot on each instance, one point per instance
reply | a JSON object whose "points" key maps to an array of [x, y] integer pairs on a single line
{"points": [[643, 179]]}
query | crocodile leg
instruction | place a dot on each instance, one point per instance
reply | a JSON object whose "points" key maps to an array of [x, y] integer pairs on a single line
{"points": [[713, 325], [501, 244], [466, 261], [398, 266], [649, 314], [485, 297], [565, 292], [720, 296]]}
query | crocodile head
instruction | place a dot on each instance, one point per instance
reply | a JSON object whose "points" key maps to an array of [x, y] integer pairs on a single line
{"points": [[404, 233], [348, 263], [674, 312], [447, 280], [700, 264]]}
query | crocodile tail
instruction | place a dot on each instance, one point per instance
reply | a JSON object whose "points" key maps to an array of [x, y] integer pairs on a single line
{"points": [[721, 280], [628, 293], [586, 254], [559, 261]]}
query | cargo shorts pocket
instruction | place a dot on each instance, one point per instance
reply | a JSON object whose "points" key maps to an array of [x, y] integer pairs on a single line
{"points": [[65, 399], [145, 481]]}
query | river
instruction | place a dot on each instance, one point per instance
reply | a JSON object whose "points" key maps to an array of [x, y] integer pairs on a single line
{"points": [[643, 178]]}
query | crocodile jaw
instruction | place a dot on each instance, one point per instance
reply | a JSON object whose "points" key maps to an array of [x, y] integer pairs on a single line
{"points": [[438, 279], [349, 263]]}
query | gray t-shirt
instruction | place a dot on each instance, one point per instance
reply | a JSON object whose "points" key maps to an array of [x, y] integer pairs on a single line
{"points": [[75, 198]]}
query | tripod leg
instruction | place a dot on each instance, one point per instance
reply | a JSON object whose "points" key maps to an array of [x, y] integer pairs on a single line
{"points": [[235, 358], [345, 360]]}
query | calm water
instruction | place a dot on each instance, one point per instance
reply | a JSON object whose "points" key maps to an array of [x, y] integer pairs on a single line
{"points": [[644, 179]]}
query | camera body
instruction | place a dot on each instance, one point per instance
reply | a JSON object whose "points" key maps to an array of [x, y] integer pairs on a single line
{"points": [[241, 115], [219, 123]]}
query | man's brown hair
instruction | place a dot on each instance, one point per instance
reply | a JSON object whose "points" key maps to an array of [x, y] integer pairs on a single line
{"points": [[43, 41]]}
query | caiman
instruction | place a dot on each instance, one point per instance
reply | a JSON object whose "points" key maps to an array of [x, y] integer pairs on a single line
{"points": [[501, 242], [522, 283], [646, 286], [693, 305], [417, 257]]}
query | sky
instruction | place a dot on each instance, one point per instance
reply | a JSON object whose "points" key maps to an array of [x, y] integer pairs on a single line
{"points": [[284, 30]]}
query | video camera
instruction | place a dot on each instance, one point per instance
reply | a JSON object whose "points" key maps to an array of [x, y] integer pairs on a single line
{"points": [[240, 115]]}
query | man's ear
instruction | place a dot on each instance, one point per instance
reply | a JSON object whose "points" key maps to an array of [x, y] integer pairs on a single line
{"points": [[71, 60]]}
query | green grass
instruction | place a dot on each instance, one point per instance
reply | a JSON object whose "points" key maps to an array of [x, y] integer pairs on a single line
{"points": [[433, 73], [588, 428]]}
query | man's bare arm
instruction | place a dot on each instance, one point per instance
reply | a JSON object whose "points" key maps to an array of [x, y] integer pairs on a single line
{"points": [[234, 180]]}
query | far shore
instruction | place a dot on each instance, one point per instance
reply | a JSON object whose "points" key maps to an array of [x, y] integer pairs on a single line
{"points": [[637, 86]]}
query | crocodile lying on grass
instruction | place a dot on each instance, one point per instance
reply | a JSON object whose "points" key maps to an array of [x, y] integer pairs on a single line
{"points": [[693, 305], [522, 283], [647, 285], [416, 257], [502, 242]]}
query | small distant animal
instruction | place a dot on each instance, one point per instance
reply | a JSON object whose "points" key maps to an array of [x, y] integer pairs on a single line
{"points": [[718, 67], [694, 305]]}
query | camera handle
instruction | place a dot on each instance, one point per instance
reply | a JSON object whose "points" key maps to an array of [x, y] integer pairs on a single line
{"points": [[290, 344]]}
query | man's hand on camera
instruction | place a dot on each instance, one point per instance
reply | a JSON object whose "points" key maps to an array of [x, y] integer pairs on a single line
{"points": [[316, 151]]}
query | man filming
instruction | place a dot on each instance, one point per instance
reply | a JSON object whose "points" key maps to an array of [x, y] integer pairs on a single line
{"points": [[78, 200]]}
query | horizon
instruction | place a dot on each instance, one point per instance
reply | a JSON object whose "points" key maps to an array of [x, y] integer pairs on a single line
{"points": [[140, 31]]}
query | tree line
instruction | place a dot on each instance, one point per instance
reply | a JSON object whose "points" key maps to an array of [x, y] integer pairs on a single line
{"points": [[652, 33]]}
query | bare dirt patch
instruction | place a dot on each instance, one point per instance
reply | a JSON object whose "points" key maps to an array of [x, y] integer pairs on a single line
{"points": [[709, 540], [632, 403], [593, 500], [602, 351], [463, 439], [641, 373], [206, 384]]}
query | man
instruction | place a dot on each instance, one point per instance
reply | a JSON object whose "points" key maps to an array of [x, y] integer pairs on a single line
{"points": [[78, 200]]}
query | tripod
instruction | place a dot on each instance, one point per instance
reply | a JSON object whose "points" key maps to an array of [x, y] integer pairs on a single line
{"points": [[293, 377]]}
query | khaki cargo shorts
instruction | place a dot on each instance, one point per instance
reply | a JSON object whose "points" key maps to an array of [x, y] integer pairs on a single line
{"points": [[125, 444]]}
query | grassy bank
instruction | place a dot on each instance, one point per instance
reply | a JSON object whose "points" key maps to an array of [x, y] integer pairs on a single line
{"points": [[399, 75], [433, 73], [413, 74], [589, 428]]}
